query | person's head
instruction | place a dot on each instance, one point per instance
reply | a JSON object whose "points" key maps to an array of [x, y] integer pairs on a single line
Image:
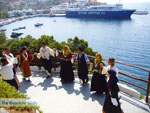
{"points": [[24, 49], [3, 61], [7, 50], [99, 57], [112, 77], [111, 73], [43, 44], [66, 50], [80, 50], [111, 61]]}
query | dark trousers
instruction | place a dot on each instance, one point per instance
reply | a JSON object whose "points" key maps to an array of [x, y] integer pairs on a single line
{"points": [[85, 79], [12, 83], [47, 65]]}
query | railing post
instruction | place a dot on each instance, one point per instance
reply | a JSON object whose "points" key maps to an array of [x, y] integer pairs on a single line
{"points": [[148, 84]]}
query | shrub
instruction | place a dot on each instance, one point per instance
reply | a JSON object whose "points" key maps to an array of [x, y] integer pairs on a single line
{"points": [[7, 91]]}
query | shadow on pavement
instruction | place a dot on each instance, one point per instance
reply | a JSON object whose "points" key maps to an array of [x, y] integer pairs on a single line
{"points": [[47, 83], [25, 85]]}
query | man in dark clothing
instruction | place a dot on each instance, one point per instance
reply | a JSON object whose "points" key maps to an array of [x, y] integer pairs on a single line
{"points": [[83, 62]]}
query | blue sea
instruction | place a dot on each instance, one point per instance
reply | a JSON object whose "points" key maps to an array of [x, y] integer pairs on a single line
{"points": [[127, 40]]}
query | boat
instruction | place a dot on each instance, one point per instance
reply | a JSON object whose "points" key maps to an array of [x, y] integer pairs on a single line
{"points": [[38, 24], [101, 11], [141, 12], [15, 35], [3, 30], [19, 28]]}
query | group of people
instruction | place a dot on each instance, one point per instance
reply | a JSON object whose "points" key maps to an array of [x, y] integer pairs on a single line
{"points": [[104, 79]]}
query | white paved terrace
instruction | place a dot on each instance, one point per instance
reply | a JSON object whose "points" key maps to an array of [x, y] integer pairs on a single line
{"points": [[53, 96]]}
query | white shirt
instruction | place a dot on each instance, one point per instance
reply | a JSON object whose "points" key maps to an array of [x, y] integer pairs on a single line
{"points": [[45, 53], [11, 57], [7, 71], [114, 68], [104, 71]]}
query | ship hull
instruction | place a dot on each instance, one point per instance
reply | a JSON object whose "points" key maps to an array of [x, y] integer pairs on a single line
{"points": [[100, 14]]}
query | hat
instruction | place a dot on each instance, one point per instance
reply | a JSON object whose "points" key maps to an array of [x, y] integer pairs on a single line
{"points": [[43, 43], [24, 48], [81, 49]]}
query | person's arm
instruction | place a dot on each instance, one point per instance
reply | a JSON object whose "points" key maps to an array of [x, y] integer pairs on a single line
{"points": [[69, 57], [13, 60], [117, 72], [39, 55], [8, 57], [51, 52], [86, 59], [114, 90], [76, 58], [114, 94], [18, 83]]}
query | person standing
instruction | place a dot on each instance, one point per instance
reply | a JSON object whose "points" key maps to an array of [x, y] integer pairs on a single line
{"points": [[9, 56], [111, 65], [98, 82], [45, 52], [24, 61], [83, 62], [66, 71], [111, 104], [7, 72]]}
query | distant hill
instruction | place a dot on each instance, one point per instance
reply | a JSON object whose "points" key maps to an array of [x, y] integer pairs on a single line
{"points": [[26, 4]]}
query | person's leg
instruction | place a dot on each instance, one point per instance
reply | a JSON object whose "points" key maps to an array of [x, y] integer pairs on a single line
{"points": [[83, 82], [49, 66], [45, 65], [12, 83], [87, 79], [18, 83]]}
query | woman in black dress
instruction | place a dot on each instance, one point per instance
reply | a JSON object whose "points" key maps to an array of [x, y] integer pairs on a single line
{"points": [[98, 82], [66, 72], [111, 104]]}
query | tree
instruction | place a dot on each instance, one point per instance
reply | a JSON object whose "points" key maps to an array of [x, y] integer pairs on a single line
{"points": [[33, 45], [3, 14], [2, 37]]}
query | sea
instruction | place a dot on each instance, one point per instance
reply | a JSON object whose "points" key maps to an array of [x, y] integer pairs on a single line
{"points": [[127, 40]]}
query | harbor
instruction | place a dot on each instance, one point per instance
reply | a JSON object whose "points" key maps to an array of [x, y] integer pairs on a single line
{"points": [[123, 34], [12, 20]]}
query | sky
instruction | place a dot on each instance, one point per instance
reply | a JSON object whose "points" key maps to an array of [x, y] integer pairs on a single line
{"points": [[123, 1]]}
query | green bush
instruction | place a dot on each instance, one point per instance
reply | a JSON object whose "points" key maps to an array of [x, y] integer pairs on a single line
{"points": [[34, 44], [7, 91]]}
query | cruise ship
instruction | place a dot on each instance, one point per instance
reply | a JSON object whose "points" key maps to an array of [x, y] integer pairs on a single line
{"points": [[102, 11]]}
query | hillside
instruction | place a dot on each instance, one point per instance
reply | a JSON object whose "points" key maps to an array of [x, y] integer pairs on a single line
{"points": [[27, 4]]}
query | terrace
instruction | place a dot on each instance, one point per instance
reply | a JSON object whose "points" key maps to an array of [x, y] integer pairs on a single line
{"points": [[53, 96]]}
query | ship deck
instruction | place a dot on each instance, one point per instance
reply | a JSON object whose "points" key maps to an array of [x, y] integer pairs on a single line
{"points": [[56, 97]]}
